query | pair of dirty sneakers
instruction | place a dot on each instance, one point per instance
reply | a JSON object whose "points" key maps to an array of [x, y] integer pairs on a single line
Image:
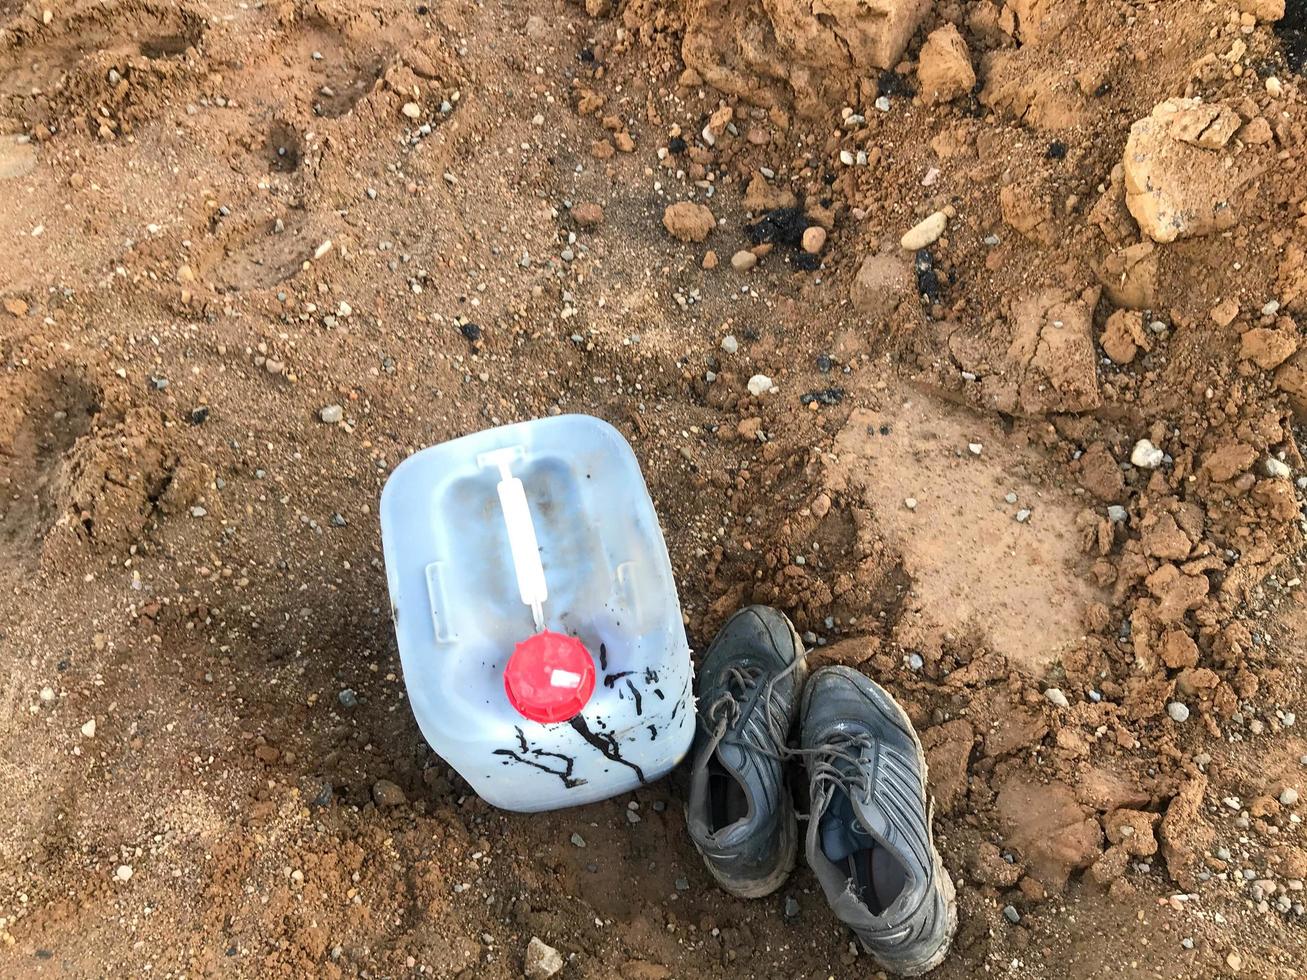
{"points": [[868, 836]]}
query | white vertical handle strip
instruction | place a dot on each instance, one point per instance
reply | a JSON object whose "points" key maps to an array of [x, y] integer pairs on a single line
{"points": [[522, 540]]}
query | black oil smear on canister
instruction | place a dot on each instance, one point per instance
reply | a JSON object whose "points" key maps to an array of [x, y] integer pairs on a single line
{"points": [[606, 744], [565, 774], [612, 679], [635, 694]]}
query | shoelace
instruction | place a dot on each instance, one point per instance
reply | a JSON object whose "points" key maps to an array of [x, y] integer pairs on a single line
{"points": [[730, 708]]}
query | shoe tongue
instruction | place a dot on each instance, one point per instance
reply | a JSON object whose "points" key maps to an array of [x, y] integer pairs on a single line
{"points": [[841, 833]]}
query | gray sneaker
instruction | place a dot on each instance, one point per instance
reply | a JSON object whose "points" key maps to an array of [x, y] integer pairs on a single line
{"points": [[740, 815], [869, 840]]}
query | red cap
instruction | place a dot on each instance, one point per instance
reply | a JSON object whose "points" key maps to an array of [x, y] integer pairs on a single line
{"points": [[550, 677]]}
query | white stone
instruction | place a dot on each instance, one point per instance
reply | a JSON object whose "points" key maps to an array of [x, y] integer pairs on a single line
{"points": [[542, 960], [1178, 712], [1277, 468], [759, 385], [729, 344], [1146, 456], [1288, 796], [89, 729], [332, 414], [975, 448], [925, 233], [412, 110], [123, 872], [1055, 696]]}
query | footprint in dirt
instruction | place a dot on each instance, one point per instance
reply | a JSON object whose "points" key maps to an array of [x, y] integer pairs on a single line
{"points": [[112, 55], [41, 417]]}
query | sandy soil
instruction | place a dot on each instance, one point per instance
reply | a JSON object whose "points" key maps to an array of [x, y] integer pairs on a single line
{"points": [[219, 218]]}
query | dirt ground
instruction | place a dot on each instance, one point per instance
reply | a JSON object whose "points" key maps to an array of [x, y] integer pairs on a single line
{"points": [[218, 219]]}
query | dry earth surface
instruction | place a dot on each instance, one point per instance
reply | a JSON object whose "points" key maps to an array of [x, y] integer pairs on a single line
{"points": [[1033, 467]]}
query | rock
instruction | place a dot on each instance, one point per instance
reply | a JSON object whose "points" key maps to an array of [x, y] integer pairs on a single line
{"points": [[759, 385], [1225, 312], [1268, 348], [709, 259], [688, 222], [1055, 696], [1291, 378], [762, 196], [1263, 10], [1028, 212], [1100, 474], [924, 233], [1146, 456], [624, 142], [1054, 834], [988, 867], [1011, 914], [792, 909], [743, 260], [332, 414], [88, 729], [412, 110], [1276, 469], [948, 751], [541, 960], [386, 793], [729, 344], [1163, 538], [1288, 796], [15, 306], [123, 872], [1053, 363], [1228, 460], [1183, 834], [944, 69], [779, 53], [1177, 181], [588, 214], [1179, 650], [882, 283], [1179, 712], [814, 239], [1133, 830], [1124, 335]]}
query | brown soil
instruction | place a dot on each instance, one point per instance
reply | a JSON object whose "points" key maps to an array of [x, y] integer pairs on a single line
{"points": [[219, 218]]}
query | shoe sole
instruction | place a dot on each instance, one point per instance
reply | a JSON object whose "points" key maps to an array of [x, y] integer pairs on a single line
{"points": [[763, 887], [941, 873]]}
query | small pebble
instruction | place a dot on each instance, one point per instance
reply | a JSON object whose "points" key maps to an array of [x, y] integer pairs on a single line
{"points": [[412, 110], [915, 662], [1010, 497], [1022, 516], [347, 698], [743, 260], [925, 233], [760, 384], [791, 907], [975, 448], [1178, 712], [578, 840], [910, 503], [1011, 914], [124, 872], [332, 414], [1055, 696], [814, 239], [729, 344], [89, 729], [1288, 796], [1146, 456], [1117, 514]]}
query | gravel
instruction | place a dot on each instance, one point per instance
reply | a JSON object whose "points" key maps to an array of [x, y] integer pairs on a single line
{"points": [[1055, 696], [1011, 914], [332, 414], [1178, 712]]}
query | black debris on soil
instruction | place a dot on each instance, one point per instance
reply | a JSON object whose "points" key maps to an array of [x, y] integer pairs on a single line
{"points": [[823, 396], [1056, 150], [1292, 32], [471, 331], [806, 261], [200, 415], [676, 145], [891, 83], [824, 363], [781, 226], [928, 284]]}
